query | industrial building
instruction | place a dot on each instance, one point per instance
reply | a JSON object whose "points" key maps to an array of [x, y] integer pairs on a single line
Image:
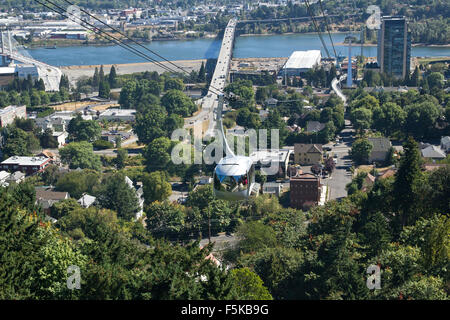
{"points": [[300, 62], [394, 46], [118, 115]]}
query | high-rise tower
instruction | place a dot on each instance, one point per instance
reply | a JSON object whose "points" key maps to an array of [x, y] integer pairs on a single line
{"points": [[394, 46]]}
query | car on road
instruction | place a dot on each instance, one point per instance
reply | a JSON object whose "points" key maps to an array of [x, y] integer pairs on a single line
{"points": [[335, 161], [335, 155], [326, 148]]}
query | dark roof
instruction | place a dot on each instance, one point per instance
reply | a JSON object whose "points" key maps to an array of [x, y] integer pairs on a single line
{"points": [[46, 194], [314, 126], [380, 144]]}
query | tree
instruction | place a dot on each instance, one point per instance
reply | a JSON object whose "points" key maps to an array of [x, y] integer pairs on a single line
{"points": [[80, 155], [149, 124], [156, 187], [361, 118], [84, 130], [254, 235], [242, 94], [64, 83], [435, 80], [18, 142], [95, 78], [157, 154], [78, 182], [164, 219], [177, 102], [47, 140], [249, 285], [173, 84], [112, 77], [115, 194], [406, 183], [421, 118], [389, 118], [202, 73], [104, 90], [360, 151], [122, 156]]}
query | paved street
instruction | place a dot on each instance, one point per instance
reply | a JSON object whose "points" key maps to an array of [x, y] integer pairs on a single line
{"points": [[340, 177]]}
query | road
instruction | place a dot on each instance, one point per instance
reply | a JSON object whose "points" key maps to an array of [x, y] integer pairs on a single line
{"points": [[218, 81], [340, 176]]}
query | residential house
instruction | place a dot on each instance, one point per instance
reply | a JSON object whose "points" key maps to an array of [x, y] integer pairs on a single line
{"points": [[445, 144], [86, 200], [307, 154], [16, 177], [139, 192], [314, 126], [46, 197], [380, 149], [305, 191], [433, 152], [3, 177], [61, 137], [368, 182], [271, 102]]}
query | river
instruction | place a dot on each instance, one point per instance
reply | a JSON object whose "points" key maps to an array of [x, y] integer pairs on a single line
{"points": [[245, 47]]}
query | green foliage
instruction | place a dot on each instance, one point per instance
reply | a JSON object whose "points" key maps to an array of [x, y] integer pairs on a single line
{"points": [[177, 102], [360, 151], [80, 155], [156, 187], [101, 144], [249, 285], [115, 194], [78, 182], [84, 130]]}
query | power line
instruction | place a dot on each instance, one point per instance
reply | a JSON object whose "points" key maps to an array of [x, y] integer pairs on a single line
{"points": [[131, 39], [139, 44], [316, 27], [328, 28], [113, 39], [107, 36]]}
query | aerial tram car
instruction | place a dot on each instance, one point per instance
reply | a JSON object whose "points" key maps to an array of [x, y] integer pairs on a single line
{"points": [[234, 176]]}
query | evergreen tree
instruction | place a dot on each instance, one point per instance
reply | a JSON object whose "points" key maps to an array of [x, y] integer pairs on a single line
{"points": [[39, 85], [112, 77], [406, 184], [202, 73], [103, 90], [95, 78], [101, 75], [415, 78]]}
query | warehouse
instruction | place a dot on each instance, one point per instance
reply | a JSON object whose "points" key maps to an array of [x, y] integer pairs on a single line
{"points": [[300, 62]]}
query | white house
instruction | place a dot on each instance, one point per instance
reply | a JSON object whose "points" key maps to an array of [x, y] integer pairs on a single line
{"points": [[445, 143]]}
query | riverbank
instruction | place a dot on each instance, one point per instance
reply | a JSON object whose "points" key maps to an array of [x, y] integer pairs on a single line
{"points": [[76, 72]]}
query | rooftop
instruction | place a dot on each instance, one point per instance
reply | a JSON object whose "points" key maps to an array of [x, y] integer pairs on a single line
{"points": [[267, 156], [25, 161], [118, 112], [303, 59], [380, 144]]}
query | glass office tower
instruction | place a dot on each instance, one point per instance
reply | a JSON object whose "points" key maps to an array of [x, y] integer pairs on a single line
{"points": [[394, 46]]}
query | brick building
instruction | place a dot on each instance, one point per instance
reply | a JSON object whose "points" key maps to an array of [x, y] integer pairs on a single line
{"points": [[305, 191], [27, 165]]}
